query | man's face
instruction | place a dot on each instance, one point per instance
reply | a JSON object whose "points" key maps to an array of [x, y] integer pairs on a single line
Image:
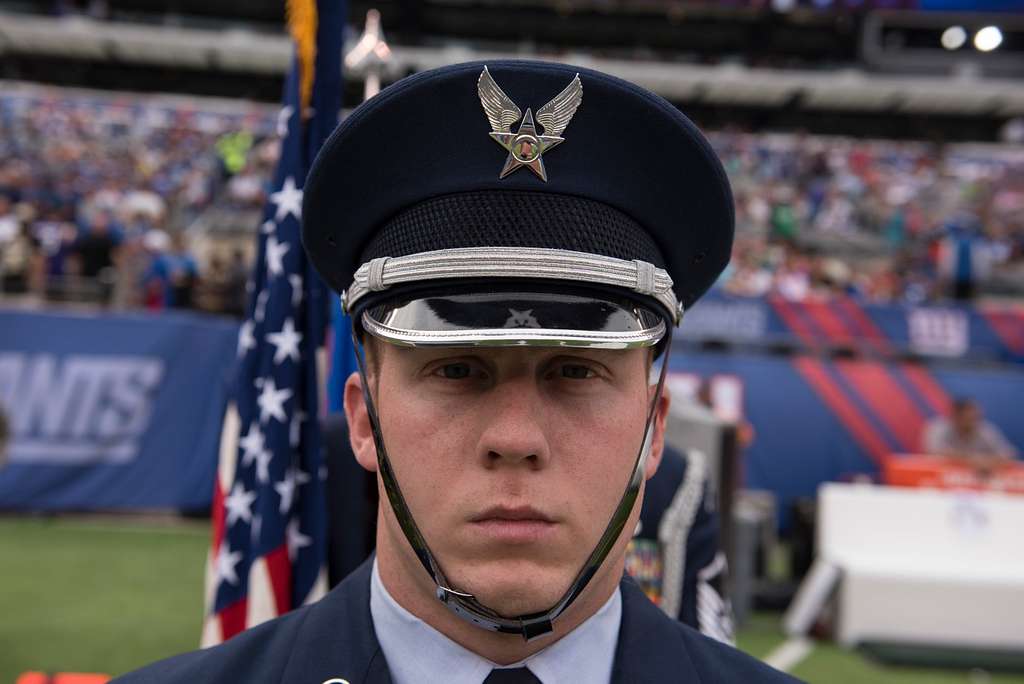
{"points": [[511, 460]]}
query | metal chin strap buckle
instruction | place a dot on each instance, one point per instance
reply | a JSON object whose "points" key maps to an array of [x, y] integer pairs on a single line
{"points": [[532, 630], [444, 593]]}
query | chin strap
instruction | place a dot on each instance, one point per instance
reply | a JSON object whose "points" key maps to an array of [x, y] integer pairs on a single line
{"points": [[465, 605]]}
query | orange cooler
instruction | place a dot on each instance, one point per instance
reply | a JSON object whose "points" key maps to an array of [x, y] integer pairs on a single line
{"points": [[915, 470]]}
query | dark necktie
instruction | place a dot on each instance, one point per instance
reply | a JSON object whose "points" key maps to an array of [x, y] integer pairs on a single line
{"points": [[516, 675]]}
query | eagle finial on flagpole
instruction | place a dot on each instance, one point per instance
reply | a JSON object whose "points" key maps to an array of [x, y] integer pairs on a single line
{"points": [[370, 54]]}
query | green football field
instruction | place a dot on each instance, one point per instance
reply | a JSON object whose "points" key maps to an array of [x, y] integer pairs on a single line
{"points": [[108, 595]]}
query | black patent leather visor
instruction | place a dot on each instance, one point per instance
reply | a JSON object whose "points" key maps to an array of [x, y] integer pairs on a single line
{"points": [[516, 318]]}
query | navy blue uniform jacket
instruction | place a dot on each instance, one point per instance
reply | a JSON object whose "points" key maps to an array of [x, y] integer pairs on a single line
{"points": [[334, 638]]}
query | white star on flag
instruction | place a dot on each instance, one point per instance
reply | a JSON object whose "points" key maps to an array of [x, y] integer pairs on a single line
{"points": [[286, 487], [282, 120], [275, 256], [252, 444], [239, 504], [268, 227], [226, 562], [288, 200], [286, 342], [296, 540], [296, 282], [245, 339], [271, 401]]}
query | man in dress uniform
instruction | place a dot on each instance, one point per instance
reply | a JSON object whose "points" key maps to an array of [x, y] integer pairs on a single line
{"points": [[515, 243], [675, 555]]}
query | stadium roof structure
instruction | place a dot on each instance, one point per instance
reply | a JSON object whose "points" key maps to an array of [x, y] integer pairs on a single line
{"points": [[241, 51]]}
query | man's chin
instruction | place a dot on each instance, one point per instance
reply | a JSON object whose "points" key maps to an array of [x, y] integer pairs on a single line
{"points": [[518, 601], [513, 593]]}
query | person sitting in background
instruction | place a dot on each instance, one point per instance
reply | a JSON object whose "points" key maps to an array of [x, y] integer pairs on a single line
{"points": [[965, 433], [10, 226]]}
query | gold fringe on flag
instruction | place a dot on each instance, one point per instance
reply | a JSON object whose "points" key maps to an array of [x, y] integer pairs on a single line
{"points": [[302, 20]]}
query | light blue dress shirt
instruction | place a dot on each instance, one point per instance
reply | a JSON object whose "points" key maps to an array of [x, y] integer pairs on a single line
{"points": [[418, 653]]}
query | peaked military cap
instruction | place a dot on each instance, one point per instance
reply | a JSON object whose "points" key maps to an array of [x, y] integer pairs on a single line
{"points": [[522, 177]]}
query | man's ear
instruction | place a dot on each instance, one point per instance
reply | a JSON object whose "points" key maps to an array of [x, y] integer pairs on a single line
{"points": [[658, 437], [360, 432]]}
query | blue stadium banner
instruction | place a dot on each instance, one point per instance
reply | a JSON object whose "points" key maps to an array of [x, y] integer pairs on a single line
{"points": [[112, 412], [987, 332], [818, 419]]}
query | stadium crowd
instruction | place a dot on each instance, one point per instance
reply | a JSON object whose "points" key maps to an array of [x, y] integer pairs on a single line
{"points": [[97, 197], [881, 220], [121, 200]]}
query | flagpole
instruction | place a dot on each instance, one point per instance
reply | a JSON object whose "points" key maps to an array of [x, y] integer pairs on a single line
{"points": [[369, 57]]}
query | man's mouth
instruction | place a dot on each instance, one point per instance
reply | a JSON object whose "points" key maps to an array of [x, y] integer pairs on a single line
{"points": [[514, 524]]}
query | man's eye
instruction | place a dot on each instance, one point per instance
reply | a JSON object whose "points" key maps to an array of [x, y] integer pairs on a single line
{"points": [[455, 371], [576, 372]]}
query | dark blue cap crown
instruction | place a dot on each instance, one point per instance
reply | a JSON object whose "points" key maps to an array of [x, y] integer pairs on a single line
{"points": [[415, 169]]}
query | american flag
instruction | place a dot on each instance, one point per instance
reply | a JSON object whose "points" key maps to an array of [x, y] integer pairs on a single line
{"points": [[268, 553]]}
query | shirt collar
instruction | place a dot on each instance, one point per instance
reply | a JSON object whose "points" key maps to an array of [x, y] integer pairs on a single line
{"points": [[585, 655]]}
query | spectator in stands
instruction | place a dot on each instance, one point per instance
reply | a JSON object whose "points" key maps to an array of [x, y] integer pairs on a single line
{"points": [[9, 224], [238, 277], [246, 188], [132, 260], [95, 250], [211, 290], [171, 279], [184, 274], [965, 433], [963, 258], [155, 281], [57, 238], [221, 289], [18, 261], [814, 215]]}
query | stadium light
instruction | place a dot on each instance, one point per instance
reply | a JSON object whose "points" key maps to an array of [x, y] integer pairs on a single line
{"points": [[954, 37], [988, 38]]}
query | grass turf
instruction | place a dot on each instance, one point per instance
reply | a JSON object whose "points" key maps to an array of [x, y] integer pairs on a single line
{"points": [[108, 596], [829, 663], [90, 596]]}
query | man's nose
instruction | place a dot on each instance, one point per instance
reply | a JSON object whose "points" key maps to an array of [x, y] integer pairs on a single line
{"points": [[515, 425]]}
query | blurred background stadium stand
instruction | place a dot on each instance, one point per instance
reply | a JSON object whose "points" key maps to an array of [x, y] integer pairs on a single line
{"points": [[876, 152]]}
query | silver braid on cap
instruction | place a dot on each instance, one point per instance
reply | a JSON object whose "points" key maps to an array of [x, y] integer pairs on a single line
{"points": [[515, 262]]}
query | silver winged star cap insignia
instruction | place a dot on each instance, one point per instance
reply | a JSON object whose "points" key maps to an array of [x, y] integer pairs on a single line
{"points": [[526, 146]]}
